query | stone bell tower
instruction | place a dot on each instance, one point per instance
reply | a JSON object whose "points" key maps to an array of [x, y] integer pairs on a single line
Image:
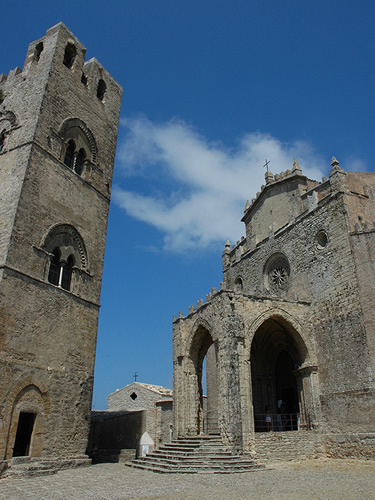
{"points": [[58, 129]]}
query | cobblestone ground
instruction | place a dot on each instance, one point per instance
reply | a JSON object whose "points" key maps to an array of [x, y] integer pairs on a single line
{"points": [[319, 479]]}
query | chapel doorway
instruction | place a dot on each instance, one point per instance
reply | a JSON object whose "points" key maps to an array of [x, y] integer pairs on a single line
{"points": [[24, 433], [277, 351]]}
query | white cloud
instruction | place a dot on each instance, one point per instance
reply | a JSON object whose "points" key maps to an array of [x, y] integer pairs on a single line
{"points": [[199, 188]]}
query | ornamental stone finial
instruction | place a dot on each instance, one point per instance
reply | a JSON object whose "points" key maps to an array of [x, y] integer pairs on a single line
{"points": [[269, 177], [334, 162], [247, 206], [296, 168], [335, 167]]}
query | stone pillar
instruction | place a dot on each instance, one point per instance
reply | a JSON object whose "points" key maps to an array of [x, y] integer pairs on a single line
{"points": [[247, 411], [212, 390], [308, 385], [230, 418]]}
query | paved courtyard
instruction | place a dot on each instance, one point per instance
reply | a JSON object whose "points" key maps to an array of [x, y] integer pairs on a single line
{"points": [[319, 479]]}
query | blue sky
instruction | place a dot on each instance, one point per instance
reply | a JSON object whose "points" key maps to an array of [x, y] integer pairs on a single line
{"points": [[211, 89]]}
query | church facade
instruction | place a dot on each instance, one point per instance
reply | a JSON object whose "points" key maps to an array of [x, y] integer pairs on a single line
{"points": [[289, 338], [58, 130]]}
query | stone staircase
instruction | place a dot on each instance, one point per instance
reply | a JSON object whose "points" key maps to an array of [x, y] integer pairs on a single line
{"points": [[200, 454], [287, 446], [33, 466]]}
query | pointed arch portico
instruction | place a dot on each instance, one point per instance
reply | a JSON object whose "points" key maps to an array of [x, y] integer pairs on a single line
{"points": [[251, 339], [283, 367], [188, 389]]}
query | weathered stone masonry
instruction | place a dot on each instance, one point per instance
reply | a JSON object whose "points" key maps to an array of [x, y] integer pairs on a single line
{"points": [[293, 319], [58, 128]]}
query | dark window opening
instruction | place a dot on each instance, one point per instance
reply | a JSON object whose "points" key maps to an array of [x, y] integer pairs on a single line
{"points": [[69, 55], [238, 284], [23, 436], [101, 89], [38, 50], [2, 140], [69, 154], [84, 79], [133, 396], [78, 167], [54, 269], [67, 273]]}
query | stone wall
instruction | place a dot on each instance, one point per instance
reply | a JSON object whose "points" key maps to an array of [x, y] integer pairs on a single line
{"points": [[111, 432]]}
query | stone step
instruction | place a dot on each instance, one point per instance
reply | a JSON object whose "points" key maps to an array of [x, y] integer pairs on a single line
{"points": [[190, 460], [208, 467], [201, 454]]}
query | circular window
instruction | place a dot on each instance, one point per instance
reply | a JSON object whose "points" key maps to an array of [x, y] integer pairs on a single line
{"points": [[277, 273], [322, 239]]}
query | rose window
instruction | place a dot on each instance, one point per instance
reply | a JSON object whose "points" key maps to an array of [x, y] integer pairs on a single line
{"points": [[278, 274]]}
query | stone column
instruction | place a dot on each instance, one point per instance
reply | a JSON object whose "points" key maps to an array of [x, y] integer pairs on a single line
{"points": [[247, 411], [308, 384]]}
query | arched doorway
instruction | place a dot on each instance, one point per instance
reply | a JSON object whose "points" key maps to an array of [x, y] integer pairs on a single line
{"points": [[277, 351]]}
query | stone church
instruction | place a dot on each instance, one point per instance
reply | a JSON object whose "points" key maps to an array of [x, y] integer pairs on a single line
{"points": [[58, 130], [289, 338]]}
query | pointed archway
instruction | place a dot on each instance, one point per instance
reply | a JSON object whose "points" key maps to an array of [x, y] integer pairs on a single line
{"points": [[277, 353], [203, 356]]}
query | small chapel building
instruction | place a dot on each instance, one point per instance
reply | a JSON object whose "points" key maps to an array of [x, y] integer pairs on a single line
{"points": [[291, 330], [154, 400]]}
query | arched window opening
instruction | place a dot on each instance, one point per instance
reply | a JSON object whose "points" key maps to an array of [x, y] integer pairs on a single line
{"points": [[68, 256], [69, 154], [54, 268], [75, 130], [79, 161], [238, 284], [38, 50], [69, 55], [101, 89], [60, 273], [67, 270]]}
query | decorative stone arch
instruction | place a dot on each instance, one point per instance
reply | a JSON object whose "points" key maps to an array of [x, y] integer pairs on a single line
{"points": [[69, 241], [31, 397], [66, 259], [77, 130], [300, 331], [283, 368], [189, 355]]}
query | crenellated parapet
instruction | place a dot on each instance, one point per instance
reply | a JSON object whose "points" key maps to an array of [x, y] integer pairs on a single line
{"points": [[201, 303]]}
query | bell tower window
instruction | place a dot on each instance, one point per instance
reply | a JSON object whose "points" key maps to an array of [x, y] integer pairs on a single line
{"points": [[79, 160], [69, 55], [74, 159], [69, 154], [54, 268], [101, 89], [38, 50], [60, 273], [67, 270]]}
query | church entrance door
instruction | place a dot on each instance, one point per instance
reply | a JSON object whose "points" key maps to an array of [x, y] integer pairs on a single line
{"points": [[277, 351]]}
